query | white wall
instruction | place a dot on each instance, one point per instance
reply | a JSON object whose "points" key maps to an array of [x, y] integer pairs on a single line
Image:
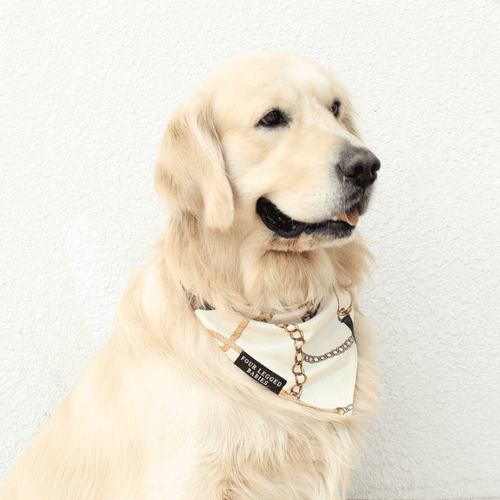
{"points": [[86, 89]]}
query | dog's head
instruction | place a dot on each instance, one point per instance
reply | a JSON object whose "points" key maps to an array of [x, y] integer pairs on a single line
{"points": [[271, 137], [265, 175]]}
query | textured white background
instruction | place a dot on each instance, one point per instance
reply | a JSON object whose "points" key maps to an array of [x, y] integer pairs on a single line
{"points": [[86, 89]]}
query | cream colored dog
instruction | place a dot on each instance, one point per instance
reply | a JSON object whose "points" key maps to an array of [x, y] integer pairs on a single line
{"points": [[265, 175]]}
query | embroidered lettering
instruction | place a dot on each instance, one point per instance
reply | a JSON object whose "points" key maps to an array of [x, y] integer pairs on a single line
{"points": [[260, 373]]}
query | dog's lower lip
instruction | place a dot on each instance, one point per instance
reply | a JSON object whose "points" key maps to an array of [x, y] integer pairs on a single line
{"points": [[286, 227]]}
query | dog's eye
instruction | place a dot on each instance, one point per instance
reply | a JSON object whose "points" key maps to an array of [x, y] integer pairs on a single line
{"points": [[273, 119], [336, 108]]}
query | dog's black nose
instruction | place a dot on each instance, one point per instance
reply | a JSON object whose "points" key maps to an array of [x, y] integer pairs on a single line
{"points": [[359, 165]]}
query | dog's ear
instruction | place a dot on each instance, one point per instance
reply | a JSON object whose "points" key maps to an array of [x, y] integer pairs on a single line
{"points": [[190, 173]]}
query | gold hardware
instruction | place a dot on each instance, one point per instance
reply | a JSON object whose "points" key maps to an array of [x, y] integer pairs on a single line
{"points": [[297, 335], [342, 312]]}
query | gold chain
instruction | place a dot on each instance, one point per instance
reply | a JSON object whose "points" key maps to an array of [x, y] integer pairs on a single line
{"points": [[297, 335]]}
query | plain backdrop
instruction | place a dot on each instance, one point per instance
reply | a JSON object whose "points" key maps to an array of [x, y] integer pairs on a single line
{"points": [[86, 89]]}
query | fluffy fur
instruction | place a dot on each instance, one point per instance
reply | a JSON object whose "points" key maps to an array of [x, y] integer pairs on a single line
{"points": [[162, 413]]}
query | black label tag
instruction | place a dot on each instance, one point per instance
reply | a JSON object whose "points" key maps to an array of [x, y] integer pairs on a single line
{"points": [[260, 373]]}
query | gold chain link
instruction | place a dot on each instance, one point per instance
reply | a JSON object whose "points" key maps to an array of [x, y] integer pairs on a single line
{"points": [[297, 335]]}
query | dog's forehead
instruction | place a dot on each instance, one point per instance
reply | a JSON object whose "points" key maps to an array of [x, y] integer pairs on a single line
{"points": [[269, 77]]}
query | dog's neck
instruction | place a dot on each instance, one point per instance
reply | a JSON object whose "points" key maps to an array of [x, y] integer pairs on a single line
{"points": [[297, 315], [288, 315], [232, 273]]}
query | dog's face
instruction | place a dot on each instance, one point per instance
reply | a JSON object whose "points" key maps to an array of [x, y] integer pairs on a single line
{"points": [[268, 142]]}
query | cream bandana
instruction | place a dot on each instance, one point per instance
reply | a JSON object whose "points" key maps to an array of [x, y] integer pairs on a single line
{"points": [[266, 353]]}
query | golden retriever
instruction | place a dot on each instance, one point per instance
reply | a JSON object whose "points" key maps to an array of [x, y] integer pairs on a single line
{"points": [[265, 174]]}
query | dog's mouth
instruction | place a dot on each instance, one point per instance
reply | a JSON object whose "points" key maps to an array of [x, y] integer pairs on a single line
{"points": [[286, 227]]}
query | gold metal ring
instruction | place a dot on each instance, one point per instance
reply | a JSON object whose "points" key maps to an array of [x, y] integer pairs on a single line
{"points": [[341, 312]]}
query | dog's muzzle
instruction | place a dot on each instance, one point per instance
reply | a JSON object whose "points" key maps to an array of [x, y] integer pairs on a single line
{"points": [[286, 227], [358, 169]]}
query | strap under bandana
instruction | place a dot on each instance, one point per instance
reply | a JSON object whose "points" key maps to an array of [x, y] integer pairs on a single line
{"points": [[265, 318]]}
